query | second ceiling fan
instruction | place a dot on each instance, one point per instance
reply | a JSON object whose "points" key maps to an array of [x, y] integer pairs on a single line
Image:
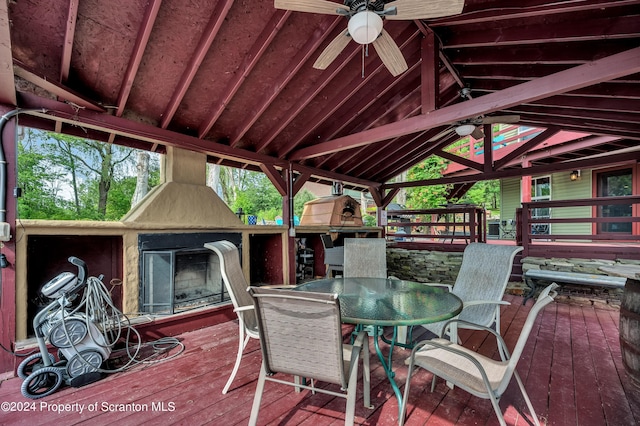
{"points": [[365, 24]]}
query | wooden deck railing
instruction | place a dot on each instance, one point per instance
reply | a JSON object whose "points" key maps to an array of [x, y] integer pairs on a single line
{"points": [[535, 243], [454, 222]]}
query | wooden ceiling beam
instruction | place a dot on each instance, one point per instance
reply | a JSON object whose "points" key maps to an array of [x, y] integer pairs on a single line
{"points": [[251, 59], [604, 69], [206, 39], [275, 177], [356, 84], [57, 89], [7, 80], [144, 32], [610, 160], [580, 52], [332, 72], [294, 65], [67, 45], [482, 14], [430, 48], [536, 32]]}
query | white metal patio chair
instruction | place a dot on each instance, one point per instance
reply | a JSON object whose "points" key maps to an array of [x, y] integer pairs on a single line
{"points": [[480, 284], [236, 286], [475, 373], [365, 257], [333, 255], [301, 335]]}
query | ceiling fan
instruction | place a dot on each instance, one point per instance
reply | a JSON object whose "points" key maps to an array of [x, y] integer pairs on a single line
{"points": [[473, 126], [365, 24]]}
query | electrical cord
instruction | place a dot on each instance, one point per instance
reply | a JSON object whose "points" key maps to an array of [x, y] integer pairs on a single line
{"points": [[100, 312], [17, 354]]}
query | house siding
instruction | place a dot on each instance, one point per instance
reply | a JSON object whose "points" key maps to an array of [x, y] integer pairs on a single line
{"points": [[509, 199], [562, 188]]}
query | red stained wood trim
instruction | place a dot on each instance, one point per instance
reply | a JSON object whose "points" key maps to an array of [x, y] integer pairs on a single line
{"points": [[209, 34], [67, 45], [150, 15], [251, 59], [594, 72]]}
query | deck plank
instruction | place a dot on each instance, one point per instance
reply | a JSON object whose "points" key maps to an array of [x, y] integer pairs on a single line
{"points": [[571, 367], [590, 412]]}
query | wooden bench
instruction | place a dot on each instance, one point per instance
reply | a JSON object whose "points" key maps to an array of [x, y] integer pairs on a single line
{"points": [[531, 277]]}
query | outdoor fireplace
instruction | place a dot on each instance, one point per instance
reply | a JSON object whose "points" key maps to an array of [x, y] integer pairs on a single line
{"points": [[178, 274]]}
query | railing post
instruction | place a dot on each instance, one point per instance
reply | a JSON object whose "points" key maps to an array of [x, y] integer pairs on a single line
{"points": [[524, 242]]}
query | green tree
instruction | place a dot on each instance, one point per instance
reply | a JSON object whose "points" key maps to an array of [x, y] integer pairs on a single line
{"points": [[427, 197], [299, 200], [484, 193], [65, 177], [86, 159], [40, 197]]}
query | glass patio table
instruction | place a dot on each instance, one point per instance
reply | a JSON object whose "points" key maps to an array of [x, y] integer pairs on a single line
{"points": [[387, 302]]}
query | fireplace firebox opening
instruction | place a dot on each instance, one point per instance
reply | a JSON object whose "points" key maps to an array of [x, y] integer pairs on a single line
{"points": [[179, 274]]}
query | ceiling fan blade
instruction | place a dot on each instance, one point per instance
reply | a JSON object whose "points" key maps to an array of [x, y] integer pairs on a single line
{"points": [[477, 133], [501, 119], [332, 51], [421, 9], [313, 6], [390, 54]]}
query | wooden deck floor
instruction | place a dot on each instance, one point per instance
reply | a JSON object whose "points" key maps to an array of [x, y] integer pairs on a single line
{"points": [[571, 367]]}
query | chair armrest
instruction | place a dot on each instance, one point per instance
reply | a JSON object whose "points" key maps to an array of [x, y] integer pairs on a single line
{"points": [[448, 286], [279, 286], [479, 327], [448, 348], [485, 302], [244, 308]]}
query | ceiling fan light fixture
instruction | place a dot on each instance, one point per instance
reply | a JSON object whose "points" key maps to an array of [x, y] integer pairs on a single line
{"points": [[465, 129], [365, 26]]}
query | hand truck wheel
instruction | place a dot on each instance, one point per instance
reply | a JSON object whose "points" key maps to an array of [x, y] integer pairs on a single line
{"points": [[32, 363], [42, 382]]}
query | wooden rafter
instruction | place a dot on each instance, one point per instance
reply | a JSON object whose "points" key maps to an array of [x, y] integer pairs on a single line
{"points": [[251, 60], [605, 69], [209, 34]]}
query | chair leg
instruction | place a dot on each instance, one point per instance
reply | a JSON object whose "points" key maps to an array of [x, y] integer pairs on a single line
{"points": [[496, 408], [349, 414], [405, 397], [255, 408], [242, 343], [526, 398], [366, 376]]}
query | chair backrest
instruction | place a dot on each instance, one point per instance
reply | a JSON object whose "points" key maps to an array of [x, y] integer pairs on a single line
{"points": [[546, 296], [327, 242], [365, 257], [300, 333], [234, 280], [484, 275]]}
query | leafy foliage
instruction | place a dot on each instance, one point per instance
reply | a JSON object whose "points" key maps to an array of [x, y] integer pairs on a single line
{"points": [[65, 177], [484, 193], [427, 197]]}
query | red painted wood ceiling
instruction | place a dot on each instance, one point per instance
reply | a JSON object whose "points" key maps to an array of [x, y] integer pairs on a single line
{"points": [[235, 79]]}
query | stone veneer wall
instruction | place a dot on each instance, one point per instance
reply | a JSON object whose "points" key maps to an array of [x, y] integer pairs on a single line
{"points": [[584, 266], [443, 267], [423, 265]]}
